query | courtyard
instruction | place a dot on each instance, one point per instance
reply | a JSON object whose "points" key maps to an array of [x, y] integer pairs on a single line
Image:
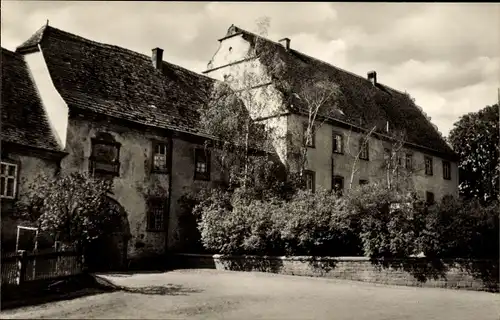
{"points": [[212, 294]]}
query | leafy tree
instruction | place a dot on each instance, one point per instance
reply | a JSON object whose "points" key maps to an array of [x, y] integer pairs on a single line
{"points": [[475, 137], [74, 208]]}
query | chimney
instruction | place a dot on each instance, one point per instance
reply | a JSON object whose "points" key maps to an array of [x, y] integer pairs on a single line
{"points": [[372, 76], [285, 42], [157, 58]]}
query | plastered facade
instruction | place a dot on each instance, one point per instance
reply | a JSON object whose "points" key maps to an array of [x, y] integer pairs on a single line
{"points": [[234, 61]]}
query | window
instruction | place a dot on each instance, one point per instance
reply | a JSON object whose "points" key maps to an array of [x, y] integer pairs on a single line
{"points": [[8, 180], [387, 156], [202, 164], [338, 184], [428, 165], [408, 161], [364, 149], [387, 153], [363, 182], [429, 197], [160, 157], [310, 180], [105, 156], [310, 139], [156, 214], [337, 143], [446, 170]]}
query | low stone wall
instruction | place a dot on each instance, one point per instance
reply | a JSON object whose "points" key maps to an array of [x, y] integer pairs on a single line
{"points": [[480, 275]]}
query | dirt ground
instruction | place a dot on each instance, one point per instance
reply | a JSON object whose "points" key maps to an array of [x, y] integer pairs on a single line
{"points": [[211, 294]]}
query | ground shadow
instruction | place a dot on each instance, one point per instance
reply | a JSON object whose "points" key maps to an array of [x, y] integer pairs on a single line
{"points": [[485, 270], [260, 264], [323, 265], [44, 291], [169, 289], [425, 269], [422, 269], [130, 273]]}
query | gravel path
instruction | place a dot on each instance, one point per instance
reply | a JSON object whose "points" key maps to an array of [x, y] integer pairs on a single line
{"points": [[211, 294]]}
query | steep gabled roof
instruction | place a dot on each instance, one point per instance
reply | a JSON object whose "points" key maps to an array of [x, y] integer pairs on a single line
{"points": [[121, 83], [359, 102], [23, 117]]}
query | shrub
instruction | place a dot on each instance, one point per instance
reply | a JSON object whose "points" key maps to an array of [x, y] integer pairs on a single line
{"points": [[457, 228], [315, 224], [312, 224], [188, 221], [384, 220]]}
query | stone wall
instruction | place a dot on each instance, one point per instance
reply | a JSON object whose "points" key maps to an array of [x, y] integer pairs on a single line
{"points": [[479, 275]]}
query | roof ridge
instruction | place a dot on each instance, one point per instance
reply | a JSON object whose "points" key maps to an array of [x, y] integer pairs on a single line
{"points": [[11, 53], [392, 90], [122, 50], [316, 59]]}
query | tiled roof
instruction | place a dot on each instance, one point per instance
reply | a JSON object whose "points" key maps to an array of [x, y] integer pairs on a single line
{"points": [[23, 118], [359, 103], [121, 83]]}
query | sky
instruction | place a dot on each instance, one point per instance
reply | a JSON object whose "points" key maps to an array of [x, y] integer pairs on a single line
{"points": [[445, 55]]}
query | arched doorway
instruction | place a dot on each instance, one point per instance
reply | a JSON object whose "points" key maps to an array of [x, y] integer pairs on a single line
{"points": [[109, 252]]}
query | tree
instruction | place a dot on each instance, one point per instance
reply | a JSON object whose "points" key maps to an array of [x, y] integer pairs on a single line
{"points": [[356, 155], [229, 116], [74, 208], [475, 138], [317, 96]]}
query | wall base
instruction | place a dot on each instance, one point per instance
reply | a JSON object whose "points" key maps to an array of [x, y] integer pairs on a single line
{"points": [[478, 275]]}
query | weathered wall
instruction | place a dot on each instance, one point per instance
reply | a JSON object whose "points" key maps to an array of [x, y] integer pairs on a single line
{"points": [[29, 168], [325, 163], [250, 79], [480, 275], [136, 181], [183, 182]]}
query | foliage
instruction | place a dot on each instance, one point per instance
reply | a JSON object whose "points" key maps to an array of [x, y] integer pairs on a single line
{"points": [[188, 220], [460, 228], [384, 220], [373, 220], [308, 223], [475, 138], [72, 208], [315, 224]]}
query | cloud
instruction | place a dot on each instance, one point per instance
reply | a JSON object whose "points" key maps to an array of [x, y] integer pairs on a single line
{"points": [[447, 56]]}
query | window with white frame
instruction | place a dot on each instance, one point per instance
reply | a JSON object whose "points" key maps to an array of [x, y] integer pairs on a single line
{"points": [[202, 164], [428, 165], [8, 180], [160, 151], [364, 149], [337, 143]]}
